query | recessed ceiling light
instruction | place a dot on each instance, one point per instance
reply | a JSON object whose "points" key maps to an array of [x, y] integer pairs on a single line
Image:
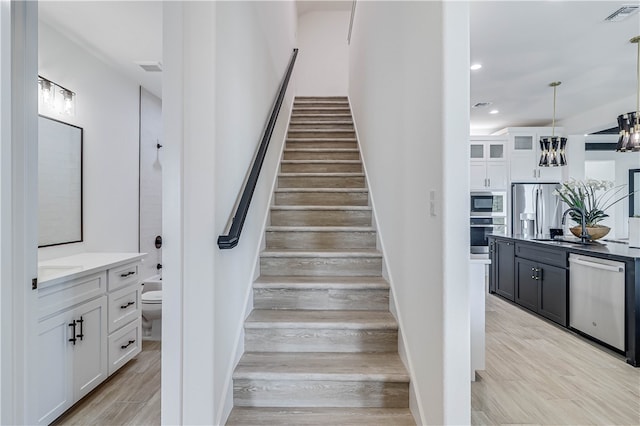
{"points": [[494, 111], [476, 66]]}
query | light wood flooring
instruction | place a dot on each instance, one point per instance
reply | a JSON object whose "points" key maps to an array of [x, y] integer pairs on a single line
{"points": [[129, 397], [538, 373]]}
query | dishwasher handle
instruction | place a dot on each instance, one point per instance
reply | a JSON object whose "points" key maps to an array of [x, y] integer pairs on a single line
{"points": [[597, 265]]}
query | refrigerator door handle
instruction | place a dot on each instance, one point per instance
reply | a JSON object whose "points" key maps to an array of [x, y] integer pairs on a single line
{"points": [[538, 213]]}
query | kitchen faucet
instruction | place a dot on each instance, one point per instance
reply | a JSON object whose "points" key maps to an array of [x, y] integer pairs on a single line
{"points": [[584, 236]]}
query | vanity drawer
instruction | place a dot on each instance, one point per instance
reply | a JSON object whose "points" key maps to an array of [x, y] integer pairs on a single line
{"points": [[124, 344], [54, 298], [123, 275], [124, 306]]}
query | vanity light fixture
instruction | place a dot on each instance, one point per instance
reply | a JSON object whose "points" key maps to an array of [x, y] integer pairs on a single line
{"points": [[553, 149], [629, 123], [54, 99]]}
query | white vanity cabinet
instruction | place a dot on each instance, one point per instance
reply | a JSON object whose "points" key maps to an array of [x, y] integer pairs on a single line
{"points": [[89, 325]]}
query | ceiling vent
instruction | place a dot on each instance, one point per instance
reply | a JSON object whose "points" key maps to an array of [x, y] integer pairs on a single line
{"points": [[624, 12], [150, 66], [481, 105]]}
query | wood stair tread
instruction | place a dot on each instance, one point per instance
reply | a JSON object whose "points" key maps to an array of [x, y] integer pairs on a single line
{"points": [[341, 319], [322, 174], [321, 190], [336, 366], [284, 228], [319, 208], [317, 139], [321, 162], [321, 416], [373, 253], [319, 282]]}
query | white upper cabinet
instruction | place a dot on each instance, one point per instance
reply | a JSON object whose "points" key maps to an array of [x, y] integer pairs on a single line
{"points": [[524, 155], [488, 164]]}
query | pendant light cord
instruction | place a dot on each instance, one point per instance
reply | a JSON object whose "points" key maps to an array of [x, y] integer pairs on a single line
{"points": [[553, 124], [638, 95]]}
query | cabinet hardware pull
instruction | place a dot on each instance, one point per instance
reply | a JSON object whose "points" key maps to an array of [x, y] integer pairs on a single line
{"points": [[81, 335], [533, 276], [533, 269], [128, 344], [73, 339], [127, 305], [127, 274]]}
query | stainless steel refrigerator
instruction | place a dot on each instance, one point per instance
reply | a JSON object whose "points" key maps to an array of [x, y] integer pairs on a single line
{"points": [[537, 203]]}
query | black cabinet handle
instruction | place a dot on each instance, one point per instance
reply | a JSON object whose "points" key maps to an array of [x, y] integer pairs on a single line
{"points": [[81, 335], [128, 344], [127, 274], [127, 305], [73, 339]]}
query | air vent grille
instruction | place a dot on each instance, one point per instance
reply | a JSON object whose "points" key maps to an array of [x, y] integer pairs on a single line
{"points": [[150, 66], [481, 105], [624, 12]]}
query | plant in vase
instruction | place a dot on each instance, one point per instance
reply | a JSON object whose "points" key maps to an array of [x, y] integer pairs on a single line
{"points": [[593, 197]]}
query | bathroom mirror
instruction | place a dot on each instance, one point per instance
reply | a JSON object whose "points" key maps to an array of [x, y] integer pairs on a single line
{"points": [[59, 182]]}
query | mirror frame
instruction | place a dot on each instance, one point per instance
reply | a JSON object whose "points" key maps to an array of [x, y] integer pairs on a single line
{"points": [[81, 238]]}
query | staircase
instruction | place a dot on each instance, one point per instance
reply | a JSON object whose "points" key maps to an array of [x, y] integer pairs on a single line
{"points": [[321, 347]]}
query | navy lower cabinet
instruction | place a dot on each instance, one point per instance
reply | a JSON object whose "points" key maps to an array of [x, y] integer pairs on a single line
{"points": [[502, 279], [541, 287]]}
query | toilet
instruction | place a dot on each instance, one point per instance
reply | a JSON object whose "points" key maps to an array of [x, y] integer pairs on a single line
{"points": [[152, 308]]}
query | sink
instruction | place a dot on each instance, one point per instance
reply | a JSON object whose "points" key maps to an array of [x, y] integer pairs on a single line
{"points": [[569, 241]]}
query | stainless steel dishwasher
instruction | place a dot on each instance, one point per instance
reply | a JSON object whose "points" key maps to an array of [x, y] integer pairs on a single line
{"points": [[596, 298]]}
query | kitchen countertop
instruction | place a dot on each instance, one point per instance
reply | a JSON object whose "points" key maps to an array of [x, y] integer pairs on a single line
{"points": [[613, 248]]}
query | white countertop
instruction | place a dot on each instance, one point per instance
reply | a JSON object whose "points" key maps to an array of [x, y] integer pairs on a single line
{"points": [[53, 270]]}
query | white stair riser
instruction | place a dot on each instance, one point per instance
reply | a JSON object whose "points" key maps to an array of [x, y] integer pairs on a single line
{"points": [[321, 182], [320, 240], [321, 155], [321, 299], [321, 134], [321, 198], [320, 393], [321, 217], [326, 266], [321, 168], [320, 340]]}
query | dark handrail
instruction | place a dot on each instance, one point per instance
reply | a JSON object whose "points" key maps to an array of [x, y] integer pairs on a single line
{"points": [[231, 239]]}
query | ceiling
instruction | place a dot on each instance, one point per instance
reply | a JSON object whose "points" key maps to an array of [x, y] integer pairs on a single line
{"points": [[523, 46]]}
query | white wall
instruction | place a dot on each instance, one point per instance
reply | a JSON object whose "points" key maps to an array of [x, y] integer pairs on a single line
{"points": [[247, 84], [107, 110], [150, 180], [223, 63], [323, 61], [408, 84]]}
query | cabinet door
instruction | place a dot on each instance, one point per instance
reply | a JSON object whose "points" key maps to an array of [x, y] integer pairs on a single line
{"points": [[522, 169], [552, 295], [478, 175], [495, 150], [90, 352], [497, 174], [504, 272], [550, 174], [54, 368], [527, 284]]}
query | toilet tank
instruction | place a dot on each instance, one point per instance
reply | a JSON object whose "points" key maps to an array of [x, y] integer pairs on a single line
{"points": [[153, 283]]}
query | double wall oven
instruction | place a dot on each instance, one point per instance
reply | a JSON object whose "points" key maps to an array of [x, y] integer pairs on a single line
{"points": [[488, 215]]}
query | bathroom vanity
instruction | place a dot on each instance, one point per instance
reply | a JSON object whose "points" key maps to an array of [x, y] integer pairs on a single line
{"points": [[88, 325]]}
